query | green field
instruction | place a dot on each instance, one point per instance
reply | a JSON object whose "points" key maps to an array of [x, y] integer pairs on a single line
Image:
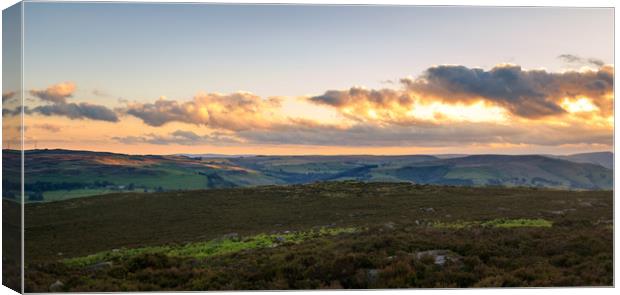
{"points": [[323, 235]]}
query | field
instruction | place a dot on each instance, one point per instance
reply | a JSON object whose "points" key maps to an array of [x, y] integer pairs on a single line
{"points": [[322, 235], [54, 175]]}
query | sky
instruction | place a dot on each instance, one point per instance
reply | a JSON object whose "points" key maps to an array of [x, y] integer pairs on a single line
{"points": [[277, 79]]}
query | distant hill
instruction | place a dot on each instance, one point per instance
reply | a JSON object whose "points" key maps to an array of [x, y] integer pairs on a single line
{"points": [[605, 159], [61, 174]]}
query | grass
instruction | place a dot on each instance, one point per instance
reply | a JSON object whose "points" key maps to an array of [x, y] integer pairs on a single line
{"points": [[209, 248], [498, 223], [512, 223], [50, 196], [479, 175]]}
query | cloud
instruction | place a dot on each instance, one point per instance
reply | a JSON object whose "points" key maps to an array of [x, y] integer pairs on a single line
{"points": [[56, 98], [370, 135], [48, 127], [570, 58], [362, 104], [81, 110], [237, 111], [57, 93], [530, 94], [11, 112], [180, 137], [7, 95], [525, 93]]}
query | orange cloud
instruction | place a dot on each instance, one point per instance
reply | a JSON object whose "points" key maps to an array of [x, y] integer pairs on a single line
{"points": [[444, 94], [57, 93], [237, 111]]}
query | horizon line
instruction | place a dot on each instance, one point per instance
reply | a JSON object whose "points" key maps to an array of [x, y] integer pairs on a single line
{"points": [[307, 155]]}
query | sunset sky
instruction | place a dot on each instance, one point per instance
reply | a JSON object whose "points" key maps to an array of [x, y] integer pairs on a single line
{"points": [[252, 79]]}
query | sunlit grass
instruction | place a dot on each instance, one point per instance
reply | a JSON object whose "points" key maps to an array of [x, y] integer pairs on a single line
{"points": [[209, 248], [498, 223]]}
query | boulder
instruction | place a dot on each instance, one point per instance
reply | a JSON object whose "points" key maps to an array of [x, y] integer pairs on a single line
{"points": [[440, 256], [57, 286]]}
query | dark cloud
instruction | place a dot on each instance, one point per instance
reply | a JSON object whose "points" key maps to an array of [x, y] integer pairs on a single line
{"points": [[76, 111], [570, 58], [180, 137], [56, 97], [355, 95], [525, 93], [11, 112], [57, 93]]}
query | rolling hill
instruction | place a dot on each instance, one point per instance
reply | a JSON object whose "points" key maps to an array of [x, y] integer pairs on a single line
{"points": [[605, 159], [62, 174]]}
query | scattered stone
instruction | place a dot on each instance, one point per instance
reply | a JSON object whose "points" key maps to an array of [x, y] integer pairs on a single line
{"points": [[231, 236], [440, 256], [561, 212], [429, 209], [59, 254], [585, 204], [57, 286], [280, 239], [372, 275], [389, 225], [116, 250]]}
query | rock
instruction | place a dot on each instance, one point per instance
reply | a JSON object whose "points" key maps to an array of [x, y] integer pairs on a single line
{"points": [[372, 275], [57, 286], [230, 236], [429, 209], [280, 239], [115, 250], [561, 212], [389, 225], [440, 256]]}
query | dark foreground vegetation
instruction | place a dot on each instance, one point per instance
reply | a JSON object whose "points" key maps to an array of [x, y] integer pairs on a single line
{"points": [[324, 235]]}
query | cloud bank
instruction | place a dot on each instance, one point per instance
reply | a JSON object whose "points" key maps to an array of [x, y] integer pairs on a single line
{"points": [[530, 94], [446, 105]]}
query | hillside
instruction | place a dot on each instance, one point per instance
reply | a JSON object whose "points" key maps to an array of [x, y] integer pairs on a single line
{"points": [[323, 235], [605, 159], [61, 174]]}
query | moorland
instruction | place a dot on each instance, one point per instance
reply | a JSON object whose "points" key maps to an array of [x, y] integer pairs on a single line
{"points": [[334, 234]]}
